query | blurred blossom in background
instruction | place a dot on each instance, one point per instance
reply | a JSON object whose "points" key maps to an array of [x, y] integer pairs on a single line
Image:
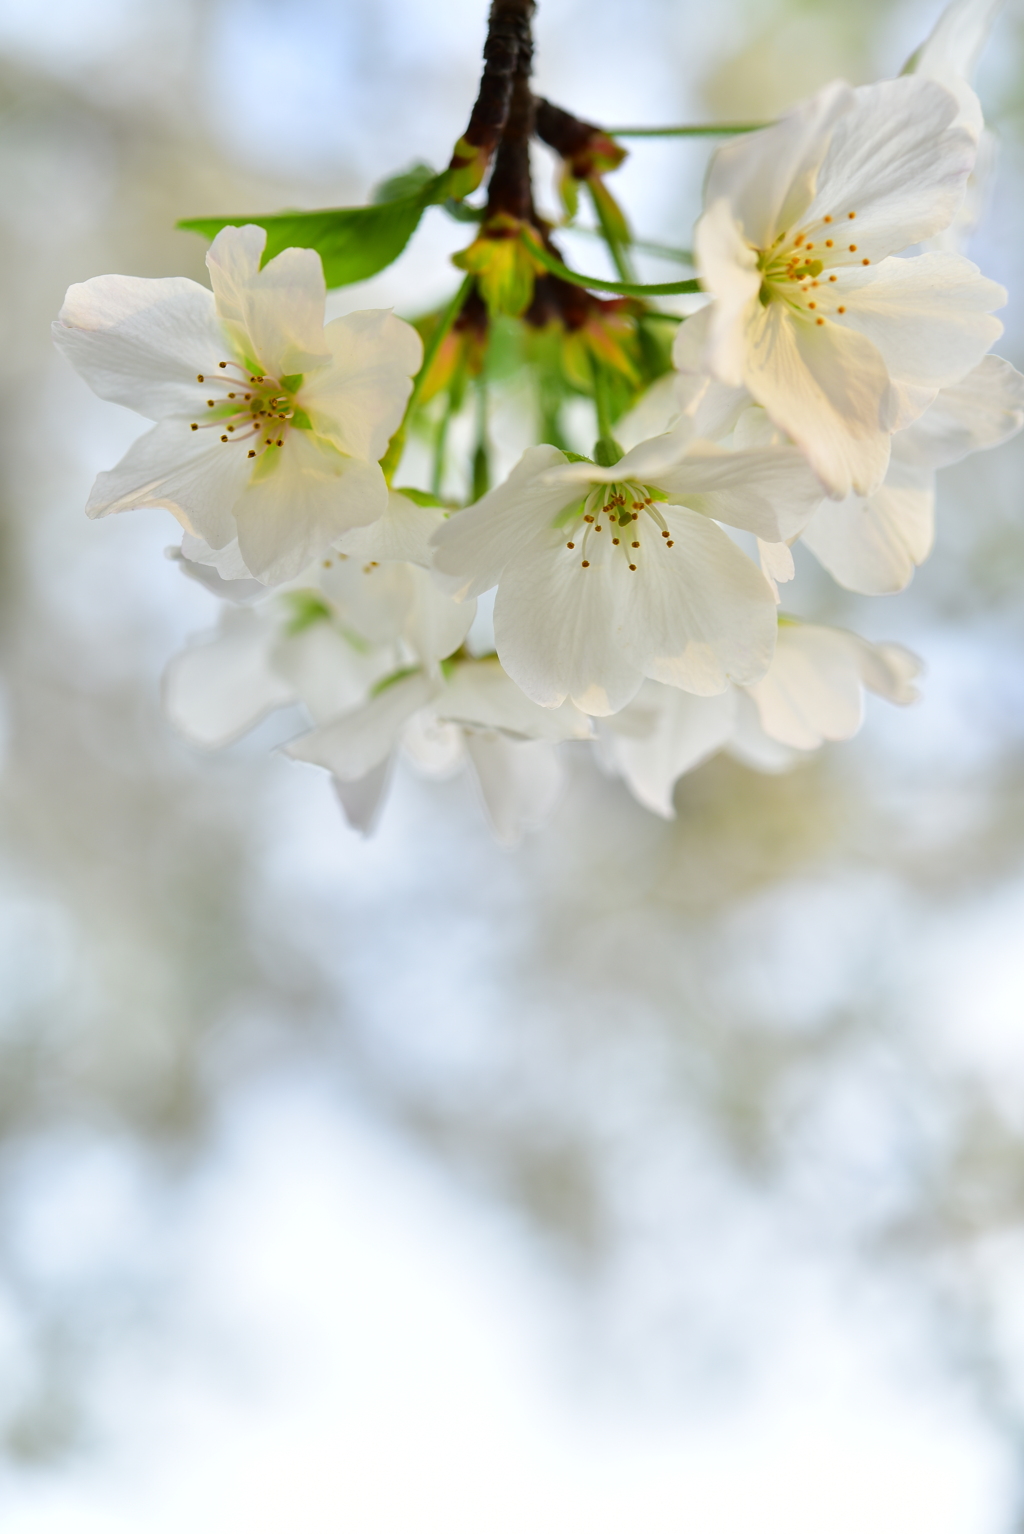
{"points": [[651, 1176]]}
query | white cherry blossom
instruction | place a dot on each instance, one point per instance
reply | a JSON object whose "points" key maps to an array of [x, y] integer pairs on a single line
{"points": [[842, 341], [473, 716], [348, 621], [813, 692], [873, 544], [606, 575], [270, 426]]}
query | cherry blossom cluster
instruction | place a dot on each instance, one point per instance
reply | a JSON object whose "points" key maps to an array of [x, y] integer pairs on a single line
{"points": [[822, 379]]}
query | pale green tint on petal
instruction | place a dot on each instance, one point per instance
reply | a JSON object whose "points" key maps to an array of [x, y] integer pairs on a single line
{"points": [[351, 746], [980, 411], [873, 545], [663, 734], [141, 341], [898, 163], [306, 496], [217, 690], [929, 316], [359, 399], [276, 314], [728, 269], [699, 614], [560, 630], [198, 478], [481, 694], [769, 491], [827, 388], [388, 602], [474, 546], [768, 178], [520, 782]]}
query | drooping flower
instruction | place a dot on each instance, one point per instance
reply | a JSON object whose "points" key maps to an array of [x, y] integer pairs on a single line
{"points": [[608, 575], [813, 692], [873, 544], [842, 341], [474, 715], [348, 621], [270, 426]]}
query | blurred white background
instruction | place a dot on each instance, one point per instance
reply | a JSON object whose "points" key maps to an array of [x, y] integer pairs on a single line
{"points": [[652, 1176]]}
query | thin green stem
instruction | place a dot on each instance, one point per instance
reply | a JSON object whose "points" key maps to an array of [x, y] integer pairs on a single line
{"points": [[602, 404], [646, 247], [620, 260], [631, 289], [440, 444], [695, 130], [481, 455], [389, 463]]}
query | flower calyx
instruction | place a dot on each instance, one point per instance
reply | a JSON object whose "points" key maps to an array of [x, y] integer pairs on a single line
{"points": [[503, 266]]}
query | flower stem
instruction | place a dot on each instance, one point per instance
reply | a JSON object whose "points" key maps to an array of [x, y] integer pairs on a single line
{"points": [[634, 289], [695, 130], [389, 463]]}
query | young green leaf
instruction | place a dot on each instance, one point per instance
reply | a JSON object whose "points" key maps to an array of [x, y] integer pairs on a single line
{"points": [[353, 243]]}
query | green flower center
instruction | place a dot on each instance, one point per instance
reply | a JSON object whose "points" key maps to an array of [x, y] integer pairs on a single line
{"points": [[253, 408], [627, 512]]}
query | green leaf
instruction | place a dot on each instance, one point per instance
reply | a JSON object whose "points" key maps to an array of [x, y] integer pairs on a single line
{"points": [[353, 243], [405, 184]]}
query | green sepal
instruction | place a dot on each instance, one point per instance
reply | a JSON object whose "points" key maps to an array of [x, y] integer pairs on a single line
{"points": [[389, 681], [307, 608], [419, 497], [607, 451]]}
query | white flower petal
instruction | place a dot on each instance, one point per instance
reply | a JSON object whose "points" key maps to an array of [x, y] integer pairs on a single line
{"points": [[354, 744], [276, 315], [751, 746], [141, 341], [952, 49], [436, 748], [872, 545], [325, 669], [776, 561], [980, 411], [560, 629], [828, 388], [769, 491], [475, 545], [683, 731], [896, 160], [697, 615], [218, 689], [520, 782], [929, 316], [890, 670], [728, 269], [301, 501], [359, 399], [363, 799], [403, 532], [198, 478], [481, 694], [813, 691], [768, 178]]}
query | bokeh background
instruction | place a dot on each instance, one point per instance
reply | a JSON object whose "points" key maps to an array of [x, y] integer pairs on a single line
{"points": [[650, 1176]]}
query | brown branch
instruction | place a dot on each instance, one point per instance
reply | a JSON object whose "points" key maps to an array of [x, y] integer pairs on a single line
{"points": [[508, 46]]}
